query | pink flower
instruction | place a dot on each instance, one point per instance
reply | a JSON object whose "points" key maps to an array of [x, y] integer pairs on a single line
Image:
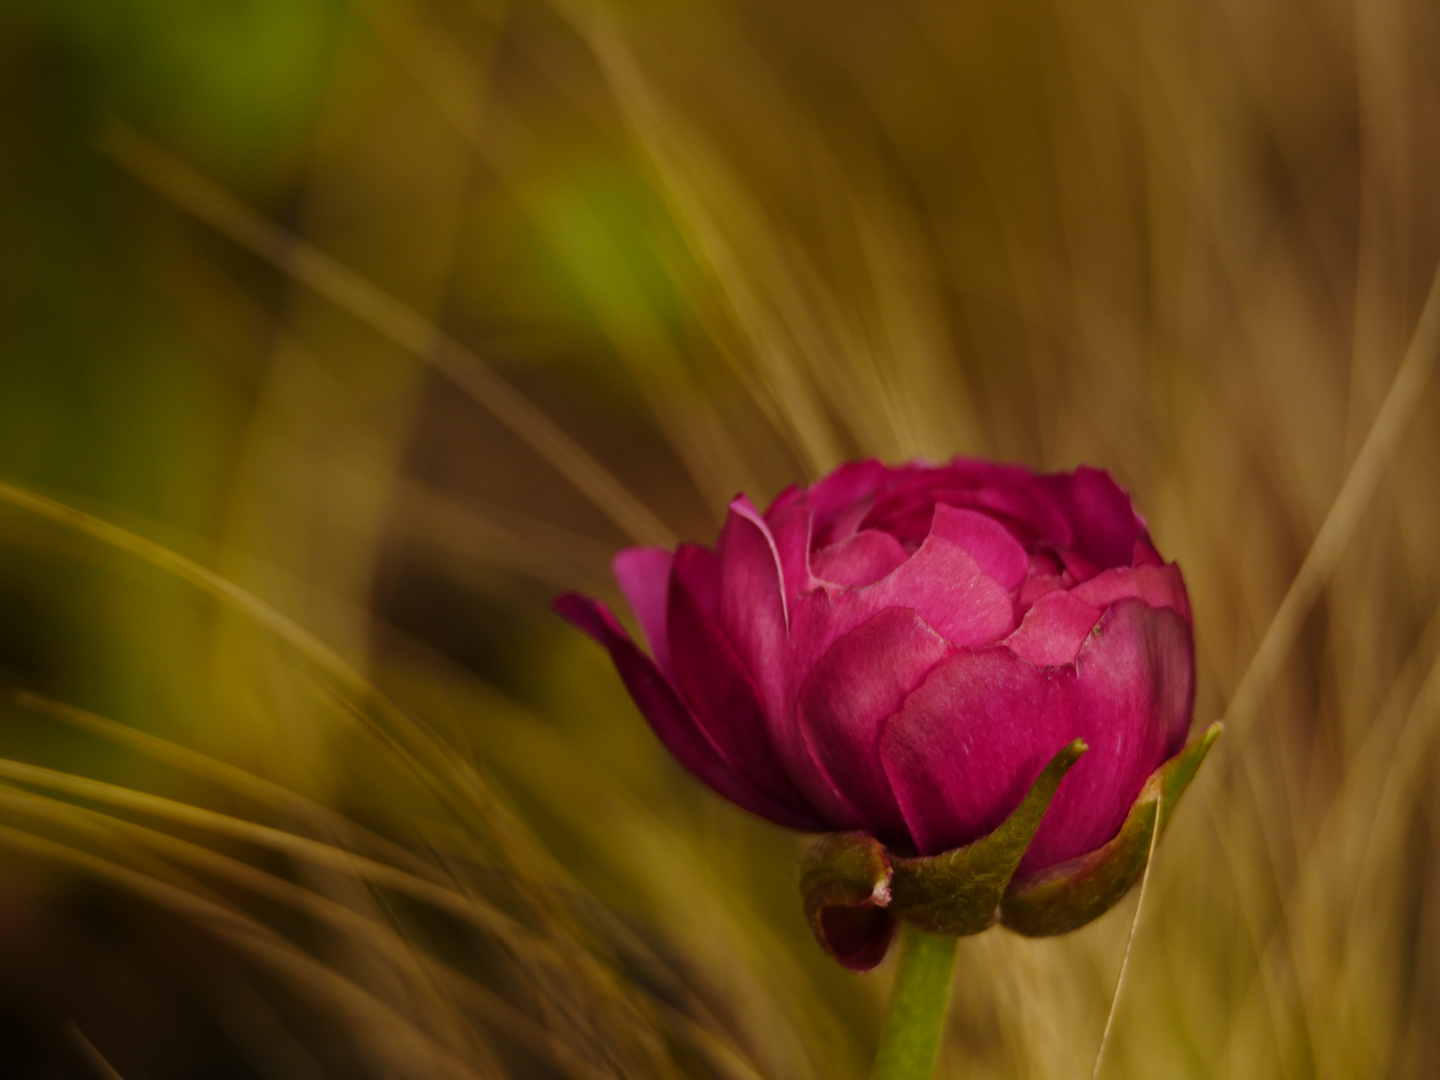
{"points": [[900, 651]]}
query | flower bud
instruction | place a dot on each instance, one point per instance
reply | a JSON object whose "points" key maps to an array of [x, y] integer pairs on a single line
{"points": [[914, 659]]}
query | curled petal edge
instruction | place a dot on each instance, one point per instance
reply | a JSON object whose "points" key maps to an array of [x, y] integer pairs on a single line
{"points": [[1062, 898], [853, 890]]}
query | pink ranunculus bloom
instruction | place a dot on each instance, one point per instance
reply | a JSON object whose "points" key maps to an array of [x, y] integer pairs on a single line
{"points": [[902, 650]]}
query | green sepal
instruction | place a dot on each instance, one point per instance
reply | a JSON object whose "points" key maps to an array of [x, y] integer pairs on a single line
{"points": [[1066, 897], [845, 871], [958, 892]]}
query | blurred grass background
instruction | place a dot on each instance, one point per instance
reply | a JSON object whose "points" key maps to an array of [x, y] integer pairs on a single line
{"points": [[350, 331]]}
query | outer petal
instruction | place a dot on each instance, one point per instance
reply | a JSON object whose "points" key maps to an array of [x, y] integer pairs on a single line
{"points": [[668, 715], [644, 577], [1053, 629], [752, 605], [698, 569], [1066, 896], [970, 742], [967, 744], [1131, 697], [861, 680], [790, 530], [1158, 586], [722, 698]]}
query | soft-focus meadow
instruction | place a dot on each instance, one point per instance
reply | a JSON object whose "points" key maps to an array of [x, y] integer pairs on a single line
{"points": [[337, 336]]}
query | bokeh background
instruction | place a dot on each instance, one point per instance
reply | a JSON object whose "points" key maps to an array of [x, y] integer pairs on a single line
{"points": [[337, 336]]}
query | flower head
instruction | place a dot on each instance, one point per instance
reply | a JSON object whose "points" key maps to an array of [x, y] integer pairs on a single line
{"points": [[900, 651]]}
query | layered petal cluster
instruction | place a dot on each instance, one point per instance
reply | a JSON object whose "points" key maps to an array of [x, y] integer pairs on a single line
{"points": [[902, 650]]}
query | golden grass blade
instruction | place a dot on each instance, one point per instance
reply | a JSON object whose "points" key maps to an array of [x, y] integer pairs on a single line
{"points": [[443, 986], [558, 955], [1344, 514], [396, 1039], [103, 1068], [547, 553], [365, 301], [115, 832], [481, 915], [347, 833], [649, 850], [438, 769], [435, 767], [1125, 956], [681, 410]]}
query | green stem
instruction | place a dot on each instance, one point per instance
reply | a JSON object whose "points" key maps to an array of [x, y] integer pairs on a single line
{"points": [[916, 1018]]}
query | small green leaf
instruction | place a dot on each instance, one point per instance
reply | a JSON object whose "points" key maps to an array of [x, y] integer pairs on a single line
{"points": [[958, 892], [1066, 897]]}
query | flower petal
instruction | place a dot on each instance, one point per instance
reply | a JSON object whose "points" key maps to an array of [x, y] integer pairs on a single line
{"points": [[1106, 525], [668, 716], [941, 582], [1158, 586], [845, 489], [1130, 699], [1145, 554], [644, 577], [949, 589], [860, 559], [860, 681], [698, 569], [1053, 630], [997, 552], [1034, 589], [723, 699], [968, 744], [790, 531], [752, 606]]}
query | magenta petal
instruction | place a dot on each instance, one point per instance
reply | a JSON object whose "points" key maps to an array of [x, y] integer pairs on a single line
{"points": [[668, 716], [790, 530], [1131, 701], [943, 582], [1144, 554], [968, 744], [752, 601], [644, 577], [998, 553], [860, 681], [698, 569], [719, 691], [1034, 589], [1078, 566], [860, 559], [1158, 586], [584, 614], [1106, 525], [1053, 629], [844, 490]]}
